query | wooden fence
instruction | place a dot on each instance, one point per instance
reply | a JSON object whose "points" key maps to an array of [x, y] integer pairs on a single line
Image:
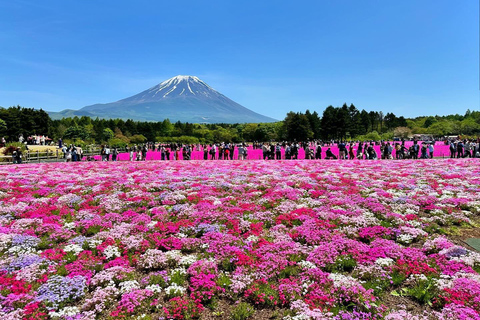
{"points": [[36, 156]]}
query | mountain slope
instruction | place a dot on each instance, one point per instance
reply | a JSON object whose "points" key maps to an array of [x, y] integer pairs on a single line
{"points": [[181, 98]]}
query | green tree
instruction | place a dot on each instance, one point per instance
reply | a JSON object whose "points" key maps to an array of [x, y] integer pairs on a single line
{"points": [[469, 127], [297, 127], [75, 132], [329, 123], [429, 121], [315, 123], [364, 122], [138, 138], [355, 126], [107, 134], [3, 127]]}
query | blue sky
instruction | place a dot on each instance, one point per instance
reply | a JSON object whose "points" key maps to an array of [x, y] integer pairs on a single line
{"points": [[410, 57]]}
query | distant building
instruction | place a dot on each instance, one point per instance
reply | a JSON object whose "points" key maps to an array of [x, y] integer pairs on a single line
{"points": [[423, 137]]}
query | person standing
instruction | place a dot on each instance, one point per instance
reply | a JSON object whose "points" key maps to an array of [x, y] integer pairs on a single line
{"points": [[416, 149], [74, 154], [107, 153], [294, 149], [278, 151], [351, 154], [205, 153], [341, 150], [453, 148], [424, 151], [240, 152], [288, 152], [79, 153], [114, 154], [144, 153], [162, 153], [232, 150], [430, 150], [68, 154], [460, 149], [467, 152], [318, 152]]}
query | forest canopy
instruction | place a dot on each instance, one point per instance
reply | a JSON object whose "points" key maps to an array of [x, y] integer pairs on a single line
{"points": [[337, 123]]}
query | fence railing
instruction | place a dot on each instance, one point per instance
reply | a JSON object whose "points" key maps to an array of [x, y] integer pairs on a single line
{"points": [[36, 156]]}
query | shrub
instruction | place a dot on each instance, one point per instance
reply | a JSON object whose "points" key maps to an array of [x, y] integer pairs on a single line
{"points": [[138, 138], [242, 311]]}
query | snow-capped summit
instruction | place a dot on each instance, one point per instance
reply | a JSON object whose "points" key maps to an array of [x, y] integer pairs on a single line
{"points": [[177, 86], [181, 98]]}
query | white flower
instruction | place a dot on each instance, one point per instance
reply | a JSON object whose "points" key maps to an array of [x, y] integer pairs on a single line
{"points": [[175, 289], [69, 225], [174, 255], [154, 288], [307, 264], [182, 271], [111, 252], [127, 286], [65, 312], [384, 262], [340, 280], [93, 243], [405, 238], [187, 260], [152, 224], [75, 248]]}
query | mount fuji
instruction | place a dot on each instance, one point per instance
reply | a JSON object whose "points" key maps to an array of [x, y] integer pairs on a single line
{"points": [[181, 98]]}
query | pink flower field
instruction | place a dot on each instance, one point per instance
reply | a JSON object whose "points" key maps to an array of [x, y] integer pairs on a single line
{"points": [[291, 240]]}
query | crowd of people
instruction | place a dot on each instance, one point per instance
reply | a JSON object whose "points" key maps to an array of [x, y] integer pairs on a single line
{"points": [[464, 149], [72, 153], [290, 150], [313, 150]]}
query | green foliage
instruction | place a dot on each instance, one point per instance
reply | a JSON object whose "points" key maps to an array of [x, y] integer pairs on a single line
{"points": [[289, 271], [26, 121], [181, 139], [398, 278], [223, 281], [75, 132], [373, 136], [116, 142], [345, 122], [107, 134], [157, 279], [242, 311], [92, 230], [138, 138], [227, 265], [387, 136], [424, 291], [344, 263], [297, 127], [3, 127], [178, 277], [377, 285], [263, 293]]}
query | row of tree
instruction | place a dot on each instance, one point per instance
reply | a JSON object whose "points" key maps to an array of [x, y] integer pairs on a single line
{"points": [[338, 123]]}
